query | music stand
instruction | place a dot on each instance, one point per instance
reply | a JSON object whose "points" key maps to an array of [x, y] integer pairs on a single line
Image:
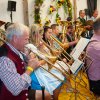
{"points": [[77, 66]]}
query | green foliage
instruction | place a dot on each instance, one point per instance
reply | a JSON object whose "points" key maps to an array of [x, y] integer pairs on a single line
{"points": [[65, 3], [37, 18], [38, 2], [65, 6]]}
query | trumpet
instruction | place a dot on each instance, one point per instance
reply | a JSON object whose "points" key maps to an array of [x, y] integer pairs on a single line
{"points": [[62, 47], [66, 45], [46, 58], [2, 40], [32, 48], [54, 52], [66, 74], [2, 36]]}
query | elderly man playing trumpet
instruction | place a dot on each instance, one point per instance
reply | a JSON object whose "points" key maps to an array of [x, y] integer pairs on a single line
{"points": [[14, 72]]}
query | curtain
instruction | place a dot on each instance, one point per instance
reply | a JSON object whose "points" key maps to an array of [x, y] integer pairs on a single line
{"points": [[92, 5]]}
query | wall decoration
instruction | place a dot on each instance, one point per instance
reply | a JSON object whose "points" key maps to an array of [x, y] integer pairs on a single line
{"points": [[37, 18], [67, 7], [47, 22], [58, 19]]}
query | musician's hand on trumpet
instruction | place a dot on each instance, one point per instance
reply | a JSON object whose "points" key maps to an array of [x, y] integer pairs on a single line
{"points": [[66, 45], [33, 61]]}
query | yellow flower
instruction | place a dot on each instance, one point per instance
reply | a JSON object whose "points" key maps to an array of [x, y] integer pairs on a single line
{"points": [[51, 9]]}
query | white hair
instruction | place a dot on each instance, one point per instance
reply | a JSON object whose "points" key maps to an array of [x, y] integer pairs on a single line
{"points": [[15, 29]]}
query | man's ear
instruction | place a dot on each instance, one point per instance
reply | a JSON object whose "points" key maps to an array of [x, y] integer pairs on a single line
{"points": [[14, 37]]}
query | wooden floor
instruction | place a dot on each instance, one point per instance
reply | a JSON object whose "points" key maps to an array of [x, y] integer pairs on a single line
{"points": [[79, 91]]}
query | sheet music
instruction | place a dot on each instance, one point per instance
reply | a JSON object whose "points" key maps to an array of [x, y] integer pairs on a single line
{"points": [[79, 47], [76, 66], [60, 64]]}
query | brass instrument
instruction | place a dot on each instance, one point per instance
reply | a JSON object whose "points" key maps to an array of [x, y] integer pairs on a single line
{"points": [[2, 35], [64, 24], [63, 33], [53, 52], [2, 32], [62, 70], [2, 40], [79, 31], [62, 46], [46, 58], [52, 59], [38, 53], [65, 45]]}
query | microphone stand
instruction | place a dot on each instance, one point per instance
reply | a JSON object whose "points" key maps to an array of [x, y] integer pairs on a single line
{"points": [[11, 17]]}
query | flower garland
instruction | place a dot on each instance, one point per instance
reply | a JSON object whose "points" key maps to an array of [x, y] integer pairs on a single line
{"points": [[69, 5], [37, 18], [47, 22], [58, 19], [65, 3], [60, 3]]}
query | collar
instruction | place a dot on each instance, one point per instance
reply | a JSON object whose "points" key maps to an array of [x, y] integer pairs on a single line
{"points": [[15, 50]]}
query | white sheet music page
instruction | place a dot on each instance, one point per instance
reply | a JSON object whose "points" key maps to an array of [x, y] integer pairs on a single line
{"points": [[76, 66], [79, 47]]}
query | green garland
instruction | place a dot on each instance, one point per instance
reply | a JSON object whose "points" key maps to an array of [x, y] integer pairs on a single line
{"points": [[37, 18], [67, 7], [65, 3]]}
